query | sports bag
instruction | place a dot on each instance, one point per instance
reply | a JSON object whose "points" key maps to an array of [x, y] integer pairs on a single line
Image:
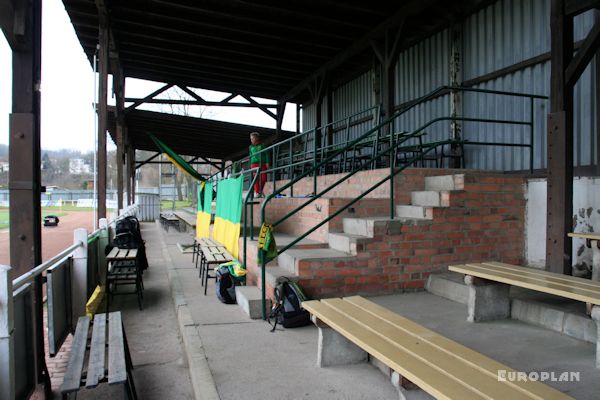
{"points": [[225, 285], [287, 309]]}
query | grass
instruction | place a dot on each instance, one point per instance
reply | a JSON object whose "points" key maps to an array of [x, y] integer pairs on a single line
{"points": [[168, 204]]}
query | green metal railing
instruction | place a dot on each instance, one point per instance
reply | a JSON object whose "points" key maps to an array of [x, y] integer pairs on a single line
{"points": [[395, 142]]}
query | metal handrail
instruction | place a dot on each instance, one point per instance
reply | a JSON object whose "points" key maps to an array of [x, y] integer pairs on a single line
{"points": [[298, 135], [393, 171]]}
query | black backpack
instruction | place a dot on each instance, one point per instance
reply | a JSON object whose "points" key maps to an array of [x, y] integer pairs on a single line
{"points": [[225, 285], [287, 309], [128, 234]]}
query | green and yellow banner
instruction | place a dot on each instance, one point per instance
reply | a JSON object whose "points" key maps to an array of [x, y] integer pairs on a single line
{"points": [[226, 229], [176, 159], [205, 191]]}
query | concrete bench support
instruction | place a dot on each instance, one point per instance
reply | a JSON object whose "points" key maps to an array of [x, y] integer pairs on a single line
{"points": [[334, 349], [408, 390], [487, 300], [596, 318]]}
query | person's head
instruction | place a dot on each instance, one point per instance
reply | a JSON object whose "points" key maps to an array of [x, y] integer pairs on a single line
{"points": [[255, 138]]}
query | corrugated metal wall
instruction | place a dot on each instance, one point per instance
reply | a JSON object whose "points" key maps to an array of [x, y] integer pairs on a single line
{"points": [[499, 36], [503, 34], [353, 98], [420, 70]]}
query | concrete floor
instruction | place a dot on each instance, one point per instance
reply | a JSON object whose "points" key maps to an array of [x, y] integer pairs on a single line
{"points": [[248, 362], [160, 369]]}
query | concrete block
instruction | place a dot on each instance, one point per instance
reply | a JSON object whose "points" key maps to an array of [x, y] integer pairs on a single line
{"points": [[450, 286], [287, 262], [408, 390], [335, 349], [439, 183], [429, 198], [249, 299], [487, 301], [417, 212], [357, 226], [347, 242], [580, 327], [596, 318]]}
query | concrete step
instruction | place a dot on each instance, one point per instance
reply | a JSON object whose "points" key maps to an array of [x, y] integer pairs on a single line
{"points": [[414, 212], [449, 285], [288, 261], [249, 299], [445, 182], [348, 242], [274, 273], [554, 313], [369, 227], [551, 312], [429, 198]]}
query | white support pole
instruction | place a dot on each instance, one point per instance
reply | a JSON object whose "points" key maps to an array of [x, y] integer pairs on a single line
{"points": [[7, 353], [79, 273], [103, 241]]}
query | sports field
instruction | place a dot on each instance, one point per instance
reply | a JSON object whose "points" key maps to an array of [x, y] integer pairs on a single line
{"points": [[54, 239]]}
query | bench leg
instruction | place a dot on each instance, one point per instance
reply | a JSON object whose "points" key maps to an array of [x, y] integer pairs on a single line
{"points": [[487, 300], [408, 390], [335, 349], [596, 318]]}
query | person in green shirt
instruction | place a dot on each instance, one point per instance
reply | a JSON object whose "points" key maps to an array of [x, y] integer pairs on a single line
{"points": [[259, 160]]}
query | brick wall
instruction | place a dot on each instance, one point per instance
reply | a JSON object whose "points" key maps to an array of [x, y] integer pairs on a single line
{"points": [[485, 221]]}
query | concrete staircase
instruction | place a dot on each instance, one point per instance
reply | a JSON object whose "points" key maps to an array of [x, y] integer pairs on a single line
{"points": [[374, 254]]}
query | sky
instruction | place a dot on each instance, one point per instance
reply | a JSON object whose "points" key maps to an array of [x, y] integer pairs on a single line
{"points": [[68, 82]]}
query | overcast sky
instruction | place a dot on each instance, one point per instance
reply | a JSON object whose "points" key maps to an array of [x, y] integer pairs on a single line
{"points": [[68, 88]]}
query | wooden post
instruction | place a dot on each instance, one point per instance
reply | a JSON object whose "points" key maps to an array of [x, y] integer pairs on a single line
{"points": [[102, 116], [120, 95], [560, 144], [25, 162]]}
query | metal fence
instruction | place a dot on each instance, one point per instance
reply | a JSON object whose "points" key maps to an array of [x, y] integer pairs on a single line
{"points": [[72, 276]]}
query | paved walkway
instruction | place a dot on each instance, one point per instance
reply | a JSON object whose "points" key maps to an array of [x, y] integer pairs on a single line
{"points": [[243, 360]]}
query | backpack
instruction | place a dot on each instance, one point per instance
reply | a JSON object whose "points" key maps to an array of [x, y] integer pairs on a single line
{"points": [[128, 234], [287, 309], [225, 285]]}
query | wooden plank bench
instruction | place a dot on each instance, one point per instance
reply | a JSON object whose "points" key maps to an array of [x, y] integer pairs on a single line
{"points": [[123, 268], [353, 327], [169, 219], [211, 256], [198, 244], [93, 347], [187, 219], [489, 285]]}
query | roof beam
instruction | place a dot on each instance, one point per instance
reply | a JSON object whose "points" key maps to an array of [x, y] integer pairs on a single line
{"points": [[12, 23], [263, 107], [409, 8], [575, 7], [202, 103], [584, 55], [147, 161], [149, 97]]}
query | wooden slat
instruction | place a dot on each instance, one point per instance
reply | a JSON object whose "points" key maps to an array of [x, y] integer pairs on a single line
{"points": [[96, 364], [462, 353], [441, 367], [113, 253], [72, 379], [117, 372], [568, 287], [586, 235]]}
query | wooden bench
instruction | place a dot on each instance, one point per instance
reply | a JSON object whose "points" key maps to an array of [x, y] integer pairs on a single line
{"points": [[353, 327], [93, 346], [167, 220], [489, 285], [198, 244], [211, 256], [187, 218], [123, 268]]}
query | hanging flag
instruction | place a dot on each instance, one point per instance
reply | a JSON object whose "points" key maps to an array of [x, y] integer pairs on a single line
{"points": [[176, 159], [226, 229], [205, 191], [266, 244]]}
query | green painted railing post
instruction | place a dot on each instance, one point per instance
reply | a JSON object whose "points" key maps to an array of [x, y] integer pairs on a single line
{"points": [[531, 135], [315, 172], [392, 163]]}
